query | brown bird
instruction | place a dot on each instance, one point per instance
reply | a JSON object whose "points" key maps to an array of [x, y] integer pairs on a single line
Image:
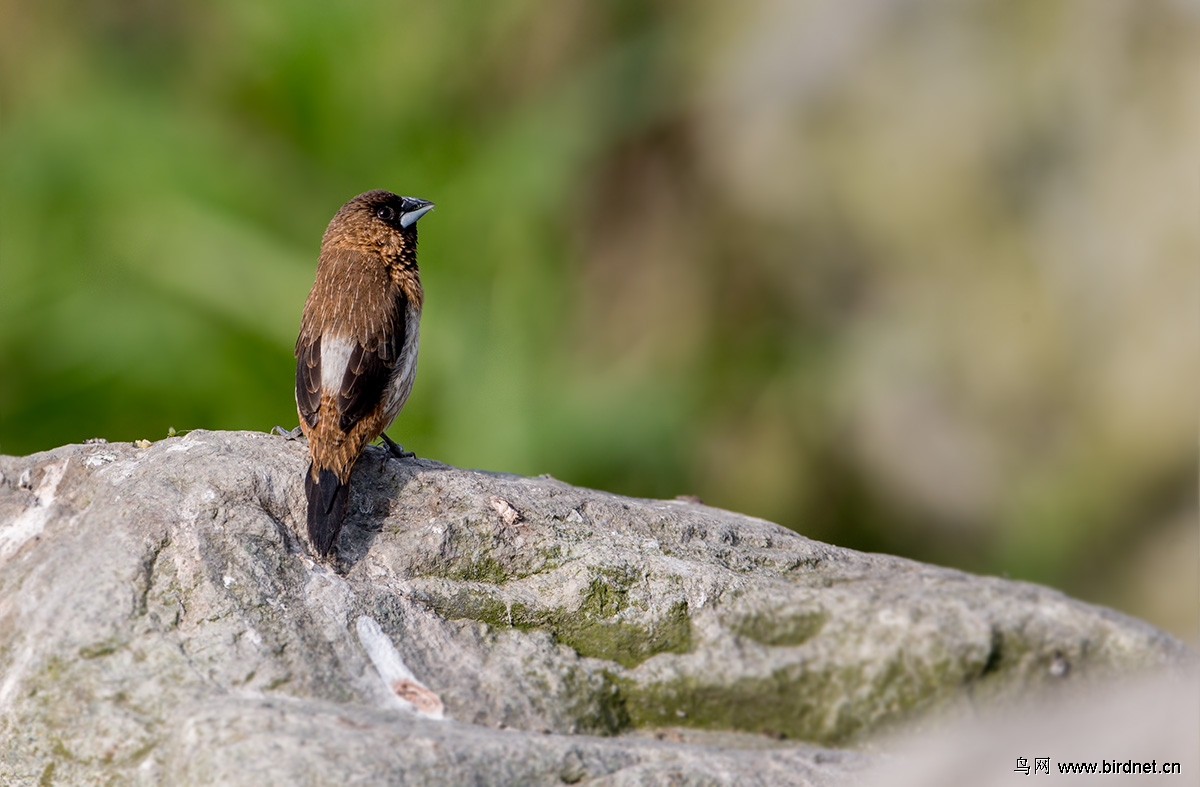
{"points": [[356, 355]]}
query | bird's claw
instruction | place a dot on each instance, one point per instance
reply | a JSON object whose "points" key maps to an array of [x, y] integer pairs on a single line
{"points": [[287, 434], [396, 449]]}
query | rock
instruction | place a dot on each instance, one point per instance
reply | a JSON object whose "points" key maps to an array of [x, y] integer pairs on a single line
{"points": [[161, 621]]}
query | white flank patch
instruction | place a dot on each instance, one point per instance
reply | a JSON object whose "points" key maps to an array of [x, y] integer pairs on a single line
{"points": [[335, 357], [30, 523], [409, 693]]}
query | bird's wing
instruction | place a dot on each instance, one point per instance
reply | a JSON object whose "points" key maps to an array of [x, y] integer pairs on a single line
{"points": [[308, 379], [365, 382]]}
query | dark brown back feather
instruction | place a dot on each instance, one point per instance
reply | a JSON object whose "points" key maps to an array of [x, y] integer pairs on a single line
{"points": [[308, 379], [371, 365]]}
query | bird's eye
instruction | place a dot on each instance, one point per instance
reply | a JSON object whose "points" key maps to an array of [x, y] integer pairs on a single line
{"points": [[386, 213]]}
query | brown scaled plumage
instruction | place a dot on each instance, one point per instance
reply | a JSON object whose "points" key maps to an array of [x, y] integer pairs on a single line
{"points": [[356, 355]]}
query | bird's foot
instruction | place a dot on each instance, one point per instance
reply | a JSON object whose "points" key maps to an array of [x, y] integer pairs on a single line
{"points": [[287, 434], [396, 449]]}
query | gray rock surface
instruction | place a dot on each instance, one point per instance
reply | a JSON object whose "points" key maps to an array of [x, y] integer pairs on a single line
{"points": [[161, 621]]}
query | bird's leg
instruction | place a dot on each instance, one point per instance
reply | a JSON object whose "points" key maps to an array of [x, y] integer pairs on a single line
{"points": [[396, 449], [286, 434]]}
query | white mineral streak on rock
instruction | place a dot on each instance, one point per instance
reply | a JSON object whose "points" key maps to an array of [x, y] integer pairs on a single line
{"points": [[409, 693]]}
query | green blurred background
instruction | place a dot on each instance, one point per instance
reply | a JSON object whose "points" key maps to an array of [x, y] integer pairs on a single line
{"points": [[913, 276]]}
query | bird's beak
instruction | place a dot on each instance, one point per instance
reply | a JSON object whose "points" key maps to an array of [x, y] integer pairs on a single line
{"points": [[413, 209]]}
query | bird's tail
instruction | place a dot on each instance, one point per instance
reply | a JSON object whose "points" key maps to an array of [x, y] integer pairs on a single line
{"points": [[327, 498]]}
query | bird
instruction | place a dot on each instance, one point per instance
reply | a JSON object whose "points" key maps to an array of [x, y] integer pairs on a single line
{"points": [[356, 354]]}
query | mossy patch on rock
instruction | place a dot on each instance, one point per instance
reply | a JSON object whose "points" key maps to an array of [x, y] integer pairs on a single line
{"points": [[600, 627], [826, 706], [627, 644], [781, 630], [599, 708]]}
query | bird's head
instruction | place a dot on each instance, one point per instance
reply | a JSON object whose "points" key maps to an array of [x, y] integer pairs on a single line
{"points": [[378, 221]]}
